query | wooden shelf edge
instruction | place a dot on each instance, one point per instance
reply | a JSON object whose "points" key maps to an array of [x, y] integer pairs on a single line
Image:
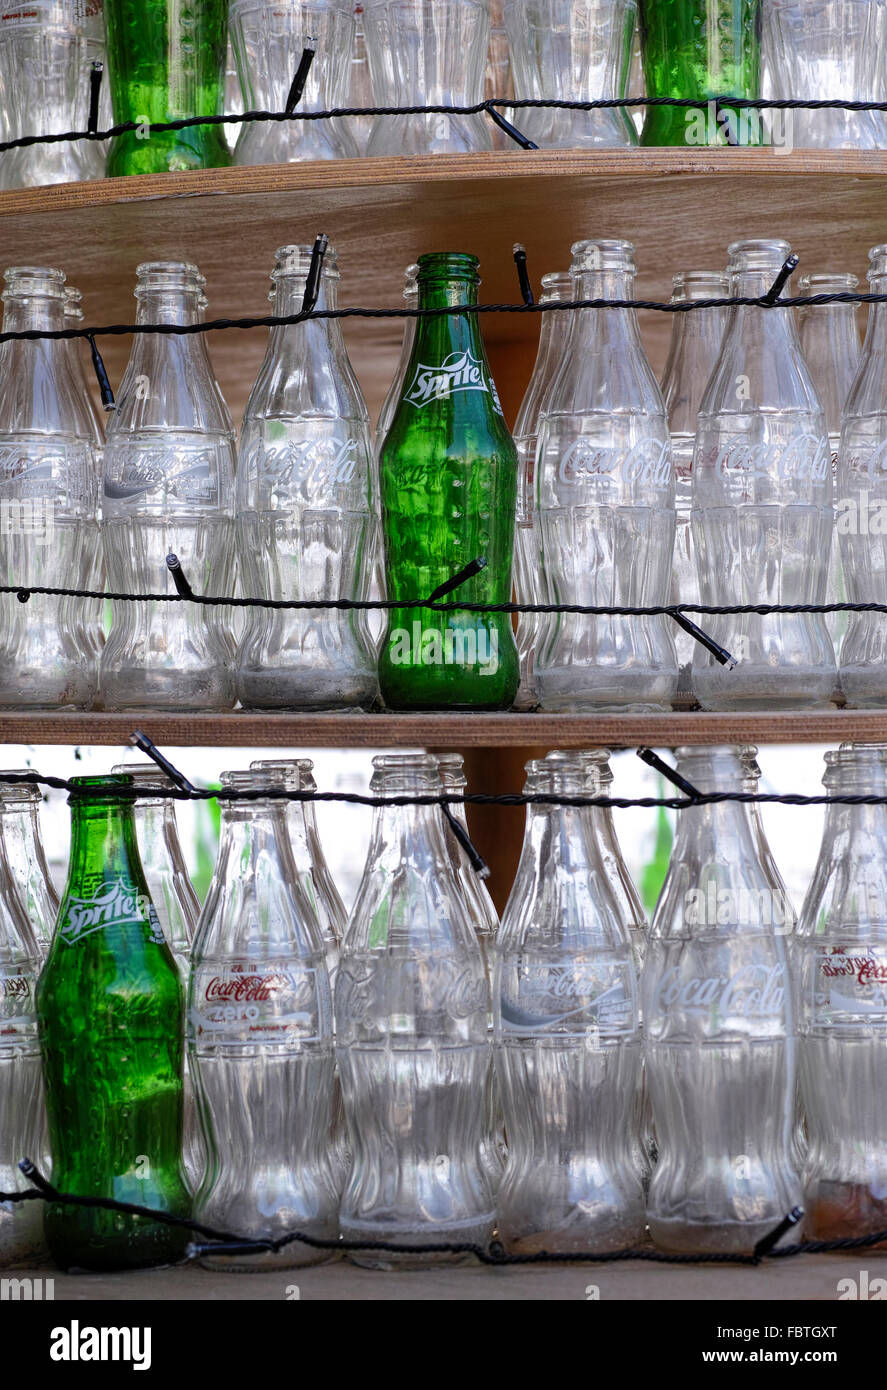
{"points": [[320, 175], [356, 730]]}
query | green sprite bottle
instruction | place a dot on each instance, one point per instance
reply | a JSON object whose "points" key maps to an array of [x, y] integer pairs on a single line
{"points": [[166, 61], [705, 49], [110, 1009], [448, 481]]}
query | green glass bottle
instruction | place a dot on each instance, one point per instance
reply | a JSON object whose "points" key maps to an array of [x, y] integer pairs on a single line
{"points": [[110, 1010], [705, 49], [448, 484], [166, 61]]}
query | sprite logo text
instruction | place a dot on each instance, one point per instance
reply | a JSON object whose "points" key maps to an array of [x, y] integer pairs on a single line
{"points": [[458, 372], [115, 904]]}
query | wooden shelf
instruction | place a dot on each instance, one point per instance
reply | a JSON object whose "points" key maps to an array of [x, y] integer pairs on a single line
{"points": [[240, 729], [680, 206]]}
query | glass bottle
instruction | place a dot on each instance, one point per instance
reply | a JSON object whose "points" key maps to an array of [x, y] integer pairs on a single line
{"points": [[168, 487], [47, 49], [448, 475], [411, 1036], [483, 915], [719, 1027], [90, 615], [305, 509], [21, 1087], [427, 55], [553, 336], [821, 50], [762, 504], [861, 506], [48, 503], [268, 37], [605, 515], [166, 61], [568, 1042], [572, 50], [704, 49], [841, 966], [26, 858], [829, 337], [696, 337], [111, 1012], [260, 1040]]}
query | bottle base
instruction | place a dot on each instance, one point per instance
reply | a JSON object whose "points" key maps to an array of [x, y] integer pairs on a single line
{"points": [[715, 1238], [291, 1257], [476, 1231]]}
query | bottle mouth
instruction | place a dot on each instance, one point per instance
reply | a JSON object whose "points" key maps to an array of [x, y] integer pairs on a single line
{"points": [[411, 282], [295, 262], [280, 778], [435, 266], [877, 263], [299, 771], [33, 281], [764, 254], [602, 255], [12, 793], [181, 276], [699, 284], [825, 282], [143, 775], [108, 787], [413, 770], [451, 767]]}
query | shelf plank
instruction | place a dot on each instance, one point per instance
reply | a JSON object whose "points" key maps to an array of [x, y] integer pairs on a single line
{"points": [[681, 207], [463, 730]]}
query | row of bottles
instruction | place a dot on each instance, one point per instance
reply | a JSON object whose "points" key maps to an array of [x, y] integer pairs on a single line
{"points": [[726, 486], [697, 1077], [165, 64]]}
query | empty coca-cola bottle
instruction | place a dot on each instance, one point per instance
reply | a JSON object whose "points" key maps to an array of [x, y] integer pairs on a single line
{"points": [[260, 1039], [841, 967], [719, 1027], [26, 858], [762, 504], [553, 335], [568, 1041], [411, 1036]]}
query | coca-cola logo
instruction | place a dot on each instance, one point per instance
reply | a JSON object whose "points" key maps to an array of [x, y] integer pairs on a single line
{"points": [[870, 463], [309, 465], [15, 987], [361, 995], [754, 991], [248, 989], [580, 993], [192, 477], [114, 904], [864, 970], [645, 464], [458, 372], [800, 457]]}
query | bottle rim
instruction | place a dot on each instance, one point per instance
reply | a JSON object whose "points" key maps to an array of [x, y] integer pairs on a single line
{"points": [[757, 253], [13, 792], [294, 261], [699, 284], [820, 281], [447, 265], [101, 787], [172, 275], [33, 282], [606, 253]]}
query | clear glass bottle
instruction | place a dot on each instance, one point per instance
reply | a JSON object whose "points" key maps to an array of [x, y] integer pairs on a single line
{"points": [[90, 615], [47, 49], [696, 337], [605, 515], [762, 504], [260, 1039], [268, 40], [553, 335], [22, 1114], [485, 918], [26, 858], [427, 55], [829, 337], [306, 510], [841, 967], [719, 1027], [568, 1041], [411, 1036], [48, 502], [572, 50], [821, 50], [861, 505], [168, 487]]}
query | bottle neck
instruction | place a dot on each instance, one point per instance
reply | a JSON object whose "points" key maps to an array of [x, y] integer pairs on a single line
{"points": [[103, 847], [875, 344], [180, 307], [407, 835], [37, 312], [606, 328], [753, 322], [249, 829], [313, 334]]}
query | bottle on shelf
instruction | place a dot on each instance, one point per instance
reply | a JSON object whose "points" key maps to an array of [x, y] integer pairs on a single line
{"points": [[166, 61], [762, 504], [572, 50], [719, 1027], [168, 488], [841, 970], [110, 1006], [268, 40], [696, 338], [427, 55], [49, 532], [260, 1040], [448, 473], [705, 49], [605, 516], [568, 1039], [411, 1036], [306, 512], [861, 505], [26, 857], [554, 333]]}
